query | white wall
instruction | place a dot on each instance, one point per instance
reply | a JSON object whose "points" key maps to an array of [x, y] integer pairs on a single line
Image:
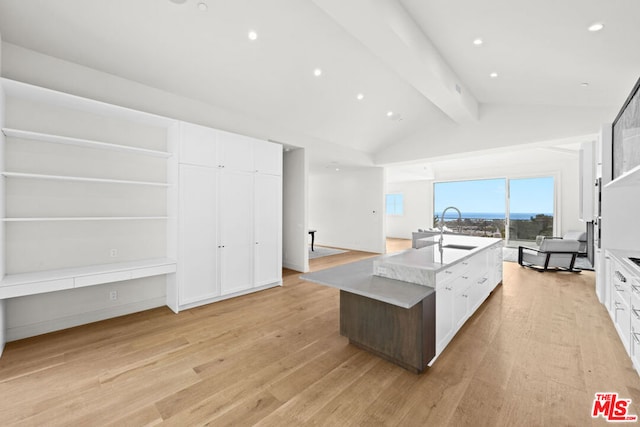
{"points": [[347, 209], [562, 164], [294, 210], [418, 208]]}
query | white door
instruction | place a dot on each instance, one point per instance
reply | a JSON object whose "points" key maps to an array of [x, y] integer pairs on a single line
{"points": [[267, 210], [235, 226], [197, 145], [235, 152], [267, 157], [197, 269]]}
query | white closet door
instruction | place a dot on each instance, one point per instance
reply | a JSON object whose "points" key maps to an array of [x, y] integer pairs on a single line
{"points": [[197, 270], [268, 225], [267, 157], [235, 152], [198, 145], [235, 225]]}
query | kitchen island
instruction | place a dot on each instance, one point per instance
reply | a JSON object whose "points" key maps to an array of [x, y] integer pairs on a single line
{"points": [[406, 307]]}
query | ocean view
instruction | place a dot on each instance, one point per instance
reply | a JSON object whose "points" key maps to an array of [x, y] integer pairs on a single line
{"points": [[452, 215]]}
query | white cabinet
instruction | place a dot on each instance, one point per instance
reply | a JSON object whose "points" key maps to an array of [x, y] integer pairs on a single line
{"points": [[198, 145], [198, 252], [267, 158], [444, 316], [235, 152], [267, 228], [462, 288], [230, 216], [235, 225]]}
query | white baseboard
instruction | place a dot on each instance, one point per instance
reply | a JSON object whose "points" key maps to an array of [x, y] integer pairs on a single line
{"points": [[26, 331], [233, 295], [294, 267]]}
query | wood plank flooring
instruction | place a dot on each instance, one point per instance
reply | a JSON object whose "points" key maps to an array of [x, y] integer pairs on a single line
{"points": [[534, 354]]}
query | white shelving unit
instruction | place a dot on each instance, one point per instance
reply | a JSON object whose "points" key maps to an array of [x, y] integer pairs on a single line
{"points": [[88, 191], [57, 139], [80, 179]]}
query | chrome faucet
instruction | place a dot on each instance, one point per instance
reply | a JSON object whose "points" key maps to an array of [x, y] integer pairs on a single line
{"points": [[442, 223]]}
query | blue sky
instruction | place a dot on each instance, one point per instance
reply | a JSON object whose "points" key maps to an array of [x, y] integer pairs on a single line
{"points": [[530, 195]]}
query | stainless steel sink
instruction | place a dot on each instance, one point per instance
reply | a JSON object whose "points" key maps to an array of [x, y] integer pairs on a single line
{"points": [[462, 247]]}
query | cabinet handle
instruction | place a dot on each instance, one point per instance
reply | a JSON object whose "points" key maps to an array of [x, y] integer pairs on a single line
{"points": [[635, 289], [618, 306], [447, 272], [635, 312], [621, 277], [466, 296], [465, 277], [465, 263], [635, 336], [618, 289], [447, 288], [484, 279]]}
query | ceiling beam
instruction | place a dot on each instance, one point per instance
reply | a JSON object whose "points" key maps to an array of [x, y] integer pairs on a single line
{"points": [[388, 31]]}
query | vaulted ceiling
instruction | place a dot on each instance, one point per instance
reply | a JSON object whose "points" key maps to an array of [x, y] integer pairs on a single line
{"points": [[425, 86]]}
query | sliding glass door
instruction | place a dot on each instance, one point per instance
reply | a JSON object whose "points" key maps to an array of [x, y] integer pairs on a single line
{"points": [[517, 210], [530, 207]]}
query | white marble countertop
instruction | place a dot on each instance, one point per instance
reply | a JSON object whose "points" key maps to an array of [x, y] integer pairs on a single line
{"points": [[358, 277], [429, 257]]}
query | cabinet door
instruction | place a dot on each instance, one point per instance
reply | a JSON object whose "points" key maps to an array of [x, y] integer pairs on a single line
{"points": [[461, 303], [197, 270], [267, 157], [235, 152], [197, 145], [235, 226], [268, 229], [444, 316]]}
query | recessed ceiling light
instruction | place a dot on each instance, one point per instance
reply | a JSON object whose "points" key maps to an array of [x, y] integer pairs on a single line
{"points": [[493, 75], [478, 41], [360, 96], [252, 35], [596, 26], [317, 72], [584, 84], [337, 169], [178, 1], [389, 113], [202, 6]]}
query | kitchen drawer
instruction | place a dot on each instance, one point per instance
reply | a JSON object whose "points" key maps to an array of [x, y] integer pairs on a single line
{"points": [[449, 273], [153, 271], [97, 279], [622, 319], [35, 288]]}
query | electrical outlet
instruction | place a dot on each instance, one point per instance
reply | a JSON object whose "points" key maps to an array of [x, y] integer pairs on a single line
{"points": [[113, 253], [113, 295]]}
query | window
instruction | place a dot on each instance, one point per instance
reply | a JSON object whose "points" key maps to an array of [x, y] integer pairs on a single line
{"points": [[394, 204], [516, 209]]}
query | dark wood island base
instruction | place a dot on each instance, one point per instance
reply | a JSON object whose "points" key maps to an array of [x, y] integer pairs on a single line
{"points": [[404, 336]]}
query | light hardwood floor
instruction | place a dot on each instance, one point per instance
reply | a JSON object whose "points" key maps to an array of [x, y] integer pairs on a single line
{"points": [[534, 354]]}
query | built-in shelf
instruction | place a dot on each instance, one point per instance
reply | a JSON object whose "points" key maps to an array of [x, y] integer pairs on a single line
{"points": [[81, 179], [83, 218], [631, 177], [16, 285], [13, 88], [66, 140]]}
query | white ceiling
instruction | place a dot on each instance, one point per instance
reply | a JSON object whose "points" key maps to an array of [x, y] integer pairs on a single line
{"points": [[405, 56]]}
